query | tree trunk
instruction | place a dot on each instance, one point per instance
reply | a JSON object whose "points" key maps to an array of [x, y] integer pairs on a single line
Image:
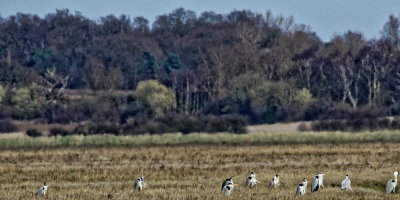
{"points": [[187, 94]]}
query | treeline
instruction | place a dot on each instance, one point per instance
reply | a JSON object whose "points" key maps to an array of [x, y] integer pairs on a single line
{"points": [[256, 68]]}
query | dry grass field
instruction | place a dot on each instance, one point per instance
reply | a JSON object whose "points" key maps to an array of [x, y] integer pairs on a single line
{"points": [[197, 171]]}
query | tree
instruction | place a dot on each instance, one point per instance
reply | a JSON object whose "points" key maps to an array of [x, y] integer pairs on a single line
{"points": [[302, 97], [55, 85], [179, 22], [150, 65], [2, 93], [102, 77], [267, 98], [391, 30], [27, 101], [156, 96], [141, 24], [173, 62]]}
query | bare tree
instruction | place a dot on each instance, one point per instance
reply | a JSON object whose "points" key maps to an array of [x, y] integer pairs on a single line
{"points": [[54, 85], [391, 30]]}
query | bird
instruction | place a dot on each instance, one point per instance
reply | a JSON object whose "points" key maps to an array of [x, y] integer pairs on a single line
{"points": [[275, 181], [226, 181], [346, 183], [301, 188], [227, 186], [251, 180], [139, 183], [391, 184], [42, 190], [321, 180], [317, 182], [227, 189]]}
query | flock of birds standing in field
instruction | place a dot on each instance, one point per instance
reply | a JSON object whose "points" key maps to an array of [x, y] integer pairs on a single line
{"points": [[316, 184], [228, 185]]}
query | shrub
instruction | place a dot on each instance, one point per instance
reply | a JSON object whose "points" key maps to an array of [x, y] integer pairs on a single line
{"points": [[213, 124], [384, 123], [105, 129], [395, 123], [225, 123], [317, 110], [82, 129], [2, 93], [356, 124], [156, 96], [395, 109], [7, 127], [27, 102], [189, 125], [304, 127], [58, 131], [33, 133], [74, 112], [95, 128], [175, 122], [5, 112], [234, 123]]}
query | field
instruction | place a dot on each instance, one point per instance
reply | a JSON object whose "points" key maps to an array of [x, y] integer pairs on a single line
{"points": [[196, 171]]}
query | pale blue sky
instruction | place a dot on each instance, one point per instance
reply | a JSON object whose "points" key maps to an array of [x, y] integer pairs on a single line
{"points": [[325, 17]]}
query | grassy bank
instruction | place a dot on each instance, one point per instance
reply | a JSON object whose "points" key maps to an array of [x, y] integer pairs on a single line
{"points": [[200, 138]]}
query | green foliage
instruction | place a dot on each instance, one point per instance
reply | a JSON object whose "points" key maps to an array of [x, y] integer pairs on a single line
{"points": [[267, 98], [2, 93], [156, 96], [40, 54], [173, 62], [27, 101], [150, 64], [303, 97], [261, 92]]}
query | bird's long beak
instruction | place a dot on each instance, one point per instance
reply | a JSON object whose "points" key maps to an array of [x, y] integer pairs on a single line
{"points": [[236, 184]]}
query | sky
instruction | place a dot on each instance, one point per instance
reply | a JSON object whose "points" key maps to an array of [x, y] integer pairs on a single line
{"points": [[326, 17]]}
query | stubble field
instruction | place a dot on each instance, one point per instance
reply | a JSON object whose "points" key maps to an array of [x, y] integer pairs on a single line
{"points": [[197, 171]]}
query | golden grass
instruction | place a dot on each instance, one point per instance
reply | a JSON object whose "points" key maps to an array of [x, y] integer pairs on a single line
{"points": [[196, 172]]}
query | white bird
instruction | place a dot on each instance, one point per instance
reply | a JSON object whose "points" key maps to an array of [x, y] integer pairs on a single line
{"points": [[226, 182], [139, 183], [321, 180], [227, 186], [317, 182], [275, 181], [227, 189], [346, 183], [42, 190], [251, 180], [301, 188], [391, 184]]}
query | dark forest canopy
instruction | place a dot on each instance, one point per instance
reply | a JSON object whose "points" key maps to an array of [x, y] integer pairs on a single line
{"points": [[266, 68]]}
